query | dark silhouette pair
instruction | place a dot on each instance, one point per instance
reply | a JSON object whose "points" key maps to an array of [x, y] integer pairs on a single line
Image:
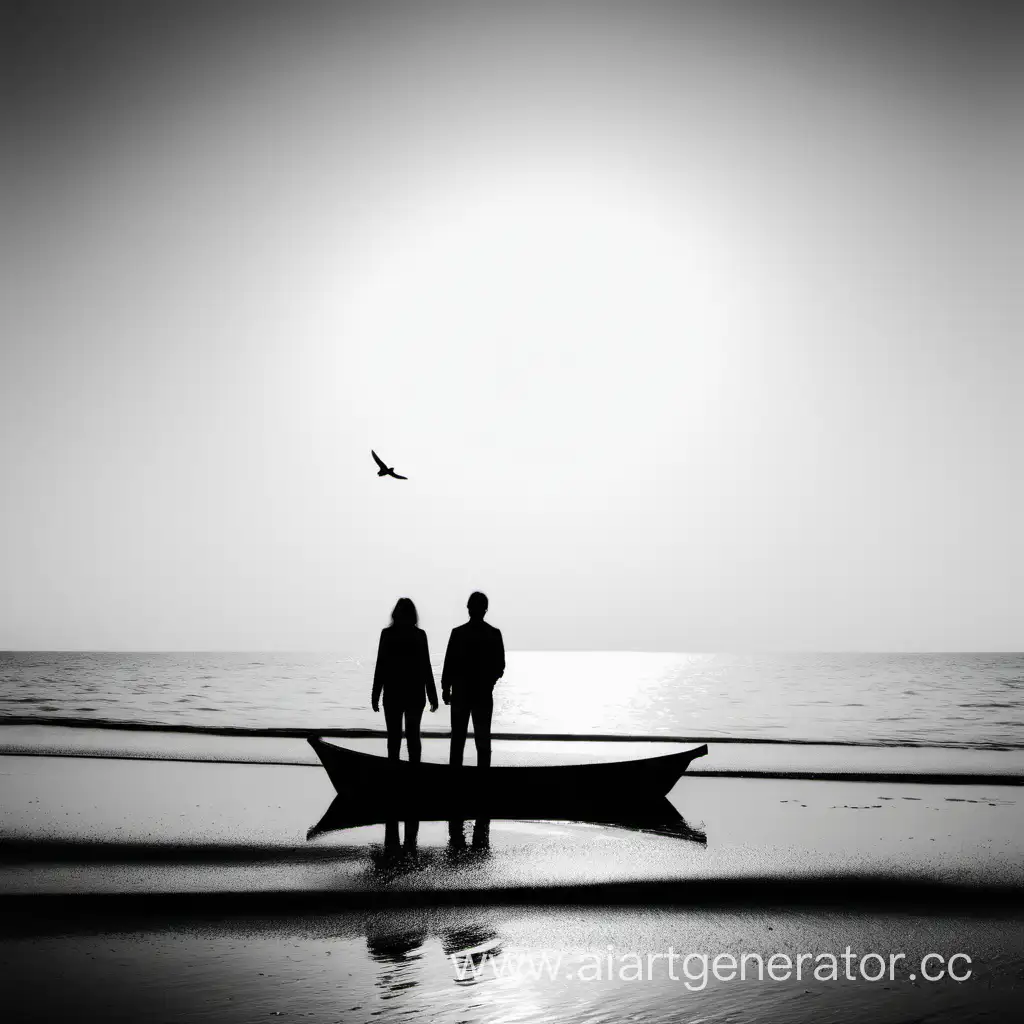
{"points": [[474, 661]]}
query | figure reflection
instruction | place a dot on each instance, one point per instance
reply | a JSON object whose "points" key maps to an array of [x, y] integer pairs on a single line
{"points": [[397, 857], [469, 947], [399, 954], [391, 840], [481, 842]]}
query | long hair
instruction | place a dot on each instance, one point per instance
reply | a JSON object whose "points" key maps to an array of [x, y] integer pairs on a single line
{"points": [[404, 613]]}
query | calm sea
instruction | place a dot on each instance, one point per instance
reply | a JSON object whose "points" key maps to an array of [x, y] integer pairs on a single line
{"points": [[964, 700]]}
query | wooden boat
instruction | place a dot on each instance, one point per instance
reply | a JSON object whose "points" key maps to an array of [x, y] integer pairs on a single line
{"points": [[593, 792]]}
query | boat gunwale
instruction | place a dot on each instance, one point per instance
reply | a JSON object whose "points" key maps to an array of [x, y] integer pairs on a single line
{"points": [[640, 764]]}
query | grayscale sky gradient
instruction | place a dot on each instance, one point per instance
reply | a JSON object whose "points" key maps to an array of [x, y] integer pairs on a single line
{"points": [[694, 326]]}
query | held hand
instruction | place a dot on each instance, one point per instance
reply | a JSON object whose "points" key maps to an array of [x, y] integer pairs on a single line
{"points": [[376, 706], [433, 708]]}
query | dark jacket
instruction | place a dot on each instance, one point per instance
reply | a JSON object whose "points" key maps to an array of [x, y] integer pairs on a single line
{"points": [[473, 663], [403, 669]]}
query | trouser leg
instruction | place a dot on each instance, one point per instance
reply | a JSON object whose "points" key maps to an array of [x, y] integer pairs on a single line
{"points": [[412, 733], [460, 722], [483, 708], [393, 719]]}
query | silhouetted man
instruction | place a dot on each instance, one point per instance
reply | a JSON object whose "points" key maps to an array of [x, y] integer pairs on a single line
{"points": [[473, 663]]}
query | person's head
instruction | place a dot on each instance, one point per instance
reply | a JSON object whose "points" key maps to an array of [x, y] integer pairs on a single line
{"points": [[477, 605], [404, 613]]}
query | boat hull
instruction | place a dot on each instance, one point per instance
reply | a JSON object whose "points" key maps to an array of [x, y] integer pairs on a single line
{"points": [[436, 791]]}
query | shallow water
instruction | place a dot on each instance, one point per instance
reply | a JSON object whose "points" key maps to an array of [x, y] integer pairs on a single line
{"points": [[965, 700], [538, 965]]}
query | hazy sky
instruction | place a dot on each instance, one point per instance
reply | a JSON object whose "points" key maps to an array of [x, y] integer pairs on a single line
{"points": [[694, 326]]}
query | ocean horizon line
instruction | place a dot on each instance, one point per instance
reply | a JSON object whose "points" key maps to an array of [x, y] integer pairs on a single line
{"points": [[341, 652]]}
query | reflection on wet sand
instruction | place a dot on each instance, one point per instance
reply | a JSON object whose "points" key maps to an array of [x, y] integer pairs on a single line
{"points": [[468, 948], [659, 817], [396, 857], [399, 955], [391, 840], [400, 856], [481, 842]]}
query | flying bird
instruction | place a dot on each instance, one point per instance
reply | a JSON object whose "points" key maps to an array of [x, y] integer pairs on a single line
{"points": [[383, 470]]}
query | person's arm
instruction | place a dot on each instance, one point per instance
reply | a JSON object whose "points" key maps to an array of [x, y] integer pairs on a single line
{"points": [[448, 672], [429, 675], [501, 656], [378, 675]]}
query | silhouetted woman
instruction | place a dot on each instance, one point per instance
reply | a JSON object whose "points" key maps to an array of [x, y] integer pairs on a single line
{"points": [[404, 676]]}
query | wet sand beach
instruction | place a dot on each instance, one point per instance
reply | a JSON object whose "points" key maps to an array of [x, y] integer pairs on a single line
{"points": [[754, 828], [538, 964], [189, 885]]}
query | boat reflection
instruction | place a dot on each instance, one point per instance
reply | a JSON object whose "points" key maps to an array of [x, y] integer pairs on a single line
{"points": [[656, 817]]}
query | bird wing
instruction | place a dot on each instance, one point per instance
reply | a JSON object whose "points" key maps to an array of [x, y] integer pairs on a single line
{"points": [[398, 476], [376, 458]]}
